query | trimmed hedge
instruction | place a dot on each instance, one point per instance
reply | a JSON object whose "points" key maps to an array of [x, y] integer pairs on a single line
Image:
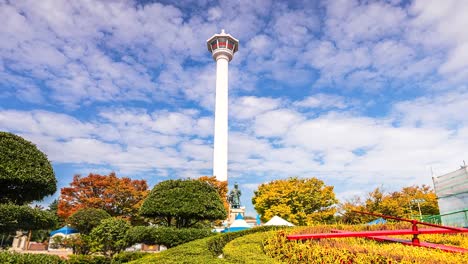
{"points": [[88, 259], [189, 253], [216, 245], [168, 236], [125, 257], [204, 250], [13, 258], [249, 249]]}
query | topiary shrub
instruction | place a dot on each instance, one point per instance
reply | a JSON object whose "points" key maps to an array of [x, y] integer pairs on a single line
{"points": [[204, 250], [88, 259], [183, 203], [217, 244], [10, 257], [25, 172], [87, 218], [249, 249], [14, 217], [168, 236], [125, 257]]}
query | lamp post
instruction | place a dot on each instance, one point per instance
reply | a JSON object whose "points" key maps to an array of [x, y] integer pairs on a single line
{"points": [[418, 201]]}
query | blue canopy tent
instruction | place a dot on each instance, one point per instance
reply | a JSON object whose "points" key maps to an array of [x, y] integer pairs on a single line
{"points": [[377, 221], [66, 230], [238, 225]]}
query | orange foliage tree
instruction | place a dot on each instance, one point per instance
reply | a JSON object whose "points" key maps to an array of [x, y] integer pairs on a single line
{"points": [[117, 196], [221, 188]]}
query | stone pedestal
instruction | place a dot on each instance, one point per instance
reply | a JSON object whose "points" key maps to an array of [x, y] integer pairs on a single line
{"points": [[233, 212]]}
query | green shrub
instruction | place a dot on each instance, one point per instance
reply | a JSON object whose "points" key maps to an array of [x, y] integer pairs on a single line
{"points": [[249, 249], [86, 219], [14, 217], [125, 257], [204, 250], [110, 236], [189, 253], [168, 236], [14, 258], [216, 245], [88, 259]]}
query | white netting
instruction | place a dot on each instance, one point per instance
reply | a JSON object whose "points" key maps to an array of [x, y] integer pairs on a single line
{"points": [[452, 193]]}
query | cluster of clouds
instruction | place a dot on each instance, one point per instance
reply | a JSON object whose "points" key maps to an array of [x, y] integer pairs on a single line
{"points": [[357, 93]]}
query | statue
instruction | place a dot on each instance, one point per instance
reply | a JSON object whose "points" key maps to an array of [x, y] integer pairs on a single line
{"points": [[234, 197]]}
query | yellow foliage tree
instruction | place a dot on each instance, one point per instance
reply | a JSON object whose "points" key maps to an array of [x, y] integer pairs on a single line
{"points": [[403, 203], [300, 201]]}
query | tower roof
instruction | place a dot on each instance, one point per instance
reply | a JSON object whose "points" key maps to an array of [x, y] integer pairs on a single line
{"points": [[222, 35]]}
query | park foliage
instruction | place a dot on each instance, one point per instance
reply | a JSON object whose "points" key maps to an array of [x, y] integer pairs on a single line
{"points": [[183, 203], [117, 196], [220, 186], [110, 236], [398, 203], [85, 219], [301, 201], [360, 250], [25, 176], [168, 236]]}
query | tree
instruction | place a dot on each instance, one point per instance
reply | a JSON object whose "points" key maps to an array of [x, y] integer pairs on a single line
{"points": [[300, 201], [14, 217], [399, 203], [25, 176], [110, 236], [25, 172], [183, 203], [220, 186], [85, 219], [117, 196]]}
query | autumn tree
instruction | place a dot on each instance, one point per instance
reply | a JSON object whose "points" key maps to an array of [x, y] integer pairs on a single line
{"points": [[117, 196], [400, 203], [220, 186], [300, 201], [183, 203], [26, 175]]}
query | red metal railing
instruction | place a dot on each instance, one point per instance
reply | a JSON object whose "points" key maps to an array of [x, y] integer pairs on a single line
{"points": [[381, 234]]}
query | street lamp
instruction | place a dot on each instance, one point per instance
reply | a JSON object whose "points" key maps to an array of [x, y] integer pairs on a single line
{"points": [[418, 201]]}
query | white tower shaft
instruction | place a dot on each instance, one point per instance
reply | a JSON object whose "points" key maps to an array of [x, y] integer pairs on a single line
{"points": [[220, 153], [222, 47]]}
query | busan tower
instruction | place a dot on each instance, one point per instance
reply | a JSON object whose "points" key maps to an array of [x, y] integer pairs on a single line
{"points": [[222, 46]]}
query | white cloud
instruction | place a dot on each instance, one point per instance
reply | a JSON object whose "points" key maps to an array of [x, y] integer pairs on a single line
{"points": [[324, 101], [275, 123], [248, 107]]}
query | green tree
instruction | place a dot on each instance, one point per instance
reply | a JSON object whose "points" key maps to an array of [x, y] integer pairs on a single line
{"points": [[25, 176], [183, 203], [25, 172], [110, 236], [84, 220], [300, 201]]}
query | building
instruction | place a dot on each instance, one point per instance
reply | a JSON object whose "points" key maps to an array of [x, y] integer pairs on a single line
{"points": [[452, 195]]}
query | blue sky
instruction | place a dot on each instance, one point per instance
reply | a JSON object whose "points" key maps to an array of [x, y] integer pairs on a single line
{"points": [[360, 94]]}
